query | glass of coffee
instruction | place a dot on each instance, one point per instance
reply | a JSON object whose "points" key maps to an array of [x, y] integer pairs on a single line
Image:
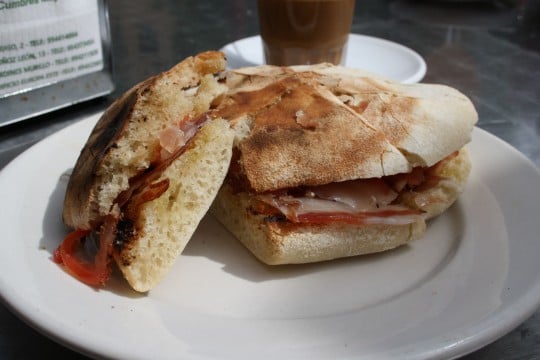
{"points": [[299, 32]]}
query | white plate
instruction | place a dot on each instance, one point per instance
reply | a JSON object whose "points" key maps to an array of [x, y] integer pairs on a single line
{"points": [[474, 277], [383, 57]]}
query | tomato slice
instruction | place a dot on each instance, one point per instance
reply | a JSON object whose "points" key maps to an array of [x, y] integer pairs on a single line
{"points": [[387, 217], [95, 274]]}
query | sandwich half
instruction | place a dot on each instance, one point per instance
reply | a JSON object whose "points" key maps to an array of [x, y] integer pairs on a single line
{"points": [[330, 162], [147, 175]]}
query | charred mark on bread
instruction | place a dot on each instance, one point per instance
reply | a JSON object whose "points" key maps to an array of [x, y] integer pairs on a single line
{"points": [[125, 231], [279, 218], [108, 129]]}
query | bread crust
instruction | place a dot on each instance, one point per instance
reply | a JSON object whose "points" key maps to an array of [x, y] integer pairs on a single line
{"points": [[80, 202]]}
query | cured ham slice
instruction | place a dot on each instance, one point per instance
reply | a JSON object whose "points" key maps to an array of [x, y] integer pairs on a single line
{"points": [[362, 201], [358, 202]]}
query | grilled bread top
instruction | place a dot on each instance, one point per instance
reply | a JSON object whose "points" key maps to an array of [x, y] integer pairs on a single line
{"points": [[312, 125]]}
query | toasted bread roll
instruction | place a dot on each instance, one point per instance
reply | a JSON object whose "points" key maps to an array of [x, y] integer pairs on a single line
{"points": [[151, 168], [332, 162]]}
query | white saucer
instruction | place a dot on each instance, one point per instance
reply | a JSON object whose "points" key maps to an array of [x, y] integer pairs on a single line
{"points": [[376, 55]]}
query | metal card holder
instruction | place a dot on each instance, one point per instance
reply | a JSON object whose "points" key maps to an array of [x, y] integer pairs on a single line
{"points": [[45, 97]]}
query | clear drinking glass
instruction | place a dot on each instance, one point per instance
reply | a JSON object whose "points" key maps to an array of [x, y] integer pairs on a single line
{"points": [[298, 32]]}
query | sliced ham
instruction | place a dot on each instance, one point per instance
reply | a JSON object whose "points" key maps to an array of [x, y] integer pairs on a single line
{"points": [[362, 201], [170, 139], [323, 211], [177, 135], [360, 195]]}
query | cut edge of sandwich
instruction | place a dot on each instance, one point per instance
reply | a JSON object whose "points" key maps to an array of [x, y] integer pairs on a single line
{"points": [[126, 145], [275, 241], [165, 225], [125, 141]]}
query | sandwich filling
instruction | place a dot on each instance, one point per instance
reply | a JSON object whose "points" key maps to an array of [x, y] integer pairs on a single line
{"points": [[91, 263], [390, 200]]}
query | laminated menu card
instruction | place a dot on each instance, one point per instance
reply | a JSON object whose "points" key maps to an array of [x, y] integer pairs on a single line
{"points": [[53, 53]]}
